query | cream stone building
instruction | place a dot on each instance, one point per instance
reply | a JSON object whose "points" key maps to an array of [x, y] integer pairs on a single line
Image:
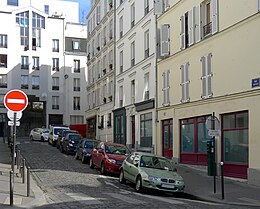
{"points": [[208, 62]]}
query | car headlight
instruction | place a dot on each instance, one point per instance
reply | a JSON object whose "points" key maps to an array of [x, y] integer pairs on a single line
{"points": [[111, 161], [152, 178], [70, 144]]}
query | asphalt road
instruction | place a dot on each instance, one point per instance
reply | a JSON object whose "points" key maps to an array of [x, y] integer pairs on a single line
{"points": [[67, 183]]}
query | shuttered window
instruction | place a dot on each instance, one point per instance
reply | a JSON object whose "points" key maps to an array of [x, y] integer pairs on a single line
{"points": [[191, 26], [214, 15], [206, 62], [165, 40], [166, 88], [185, 82], [197, 22], [182, 34]]}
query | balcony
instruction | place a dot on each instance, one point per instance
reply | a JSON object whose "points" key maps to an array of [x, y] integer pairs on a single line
{"points": [[76, 88], [55, 88], [207, 29]]}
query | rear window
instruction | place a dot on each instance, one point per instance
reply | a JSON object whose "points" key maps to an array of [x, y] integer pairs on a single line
{"points": [[75, 138], [57, 131], [117, 150], [89, 145]]}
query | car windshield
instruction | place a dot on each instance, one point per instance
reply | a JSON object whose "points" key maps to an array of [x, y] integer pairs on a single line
{"points": [[75, 138], [46, 131], [57, 131], [89, 145], [117, 150], [155, 162]]}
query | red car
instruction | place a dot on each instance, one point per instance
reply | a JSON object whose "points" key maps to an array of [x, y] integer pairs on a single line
{"points": [[108, 157]]}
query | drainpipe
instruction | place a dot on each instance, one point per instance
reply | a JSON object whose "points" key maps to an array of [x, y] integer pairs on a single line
{"points": [[156, 83], [114, 64]]}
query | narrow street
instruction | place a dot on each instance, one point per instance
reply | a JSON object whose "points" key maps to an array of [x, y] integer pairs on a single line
{"points": [[67, 183]]}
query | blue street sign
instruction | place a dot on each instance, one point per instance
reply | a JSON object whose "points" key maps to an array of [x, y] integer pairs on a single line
{"points": [[255, 82]]}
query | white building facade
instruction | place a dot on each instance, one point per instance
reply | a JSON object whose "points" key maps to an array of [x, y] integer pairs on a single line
{"points": [[38, 54], [100, 62], [134, 111]]}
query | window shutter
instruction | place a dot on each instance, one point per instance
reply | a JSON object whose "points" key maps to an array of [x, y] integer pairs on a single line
{"points": [[168, 87], [166, 5], [158, 7], [191, 27], [197, 23], [203, 78], [182, 83], [182, 34], [259, 5], [214, 15], [165, 40], [164, 88], [209, 75]]}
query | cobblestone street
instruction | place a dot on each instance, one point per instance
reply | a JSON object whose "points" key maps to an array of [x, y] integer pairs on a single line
{"points": [[67, 183]]}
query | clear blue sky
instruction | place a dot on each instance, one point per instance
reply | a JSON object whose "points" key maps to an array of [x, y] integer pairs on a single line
{"points": [[84, 6]]}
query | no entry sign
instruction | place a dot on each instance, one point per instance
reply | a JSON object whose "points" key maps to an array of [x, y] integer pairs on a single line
{"points": [[15, 100]]}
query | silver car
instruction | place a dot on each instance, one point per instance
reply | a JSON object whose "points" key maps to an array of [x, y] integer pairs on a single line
{"points": [[39, 134]]}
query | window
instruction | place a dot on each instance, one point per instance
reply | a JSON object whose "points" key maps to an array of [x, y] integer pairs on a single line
{"points": [[25, 62], [146, 7], [46, 9], [12, 2], [3, 41], [121, 27], [104, 64], [36, 63], [2, 100], [104, 93], [76, 84], [22, 19], [55, 83], [206, 76], [185, 83], [121, 61], [76, 66], [121, 1], [98, 69], [132, 54], [235, 137], [76, 45], [55, 103], [110, 90], [166, 88], [24, 81], [120, 96], [146, 86], [76, 119], [98, 42], [55, 45], [109, 121], [146, 44], [165, 40], [161, 6], [3, 61], [104, 35], [146, 130], [76, 103], [98, 14], [132, 15], [35, 82], [38, 22], [133, 91], [111, 29], [55, 64], [3, 81], [111, 53]]}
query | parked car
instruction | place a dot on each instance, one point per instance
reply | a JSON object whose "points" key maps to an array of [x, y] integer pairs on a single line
{"points": [[108, 157], [84, 149], [70, 143], [152, 172], [61, 136], [54, 132], [40, 134]]}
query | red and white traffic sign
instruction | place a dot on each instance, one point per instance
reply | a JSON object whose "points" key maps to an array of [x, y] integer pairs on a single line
{"points": [[15, 100]]}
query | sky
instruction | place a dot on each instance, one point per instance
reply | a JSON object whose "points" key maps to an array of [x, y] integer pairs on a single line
{"points": [[84, 6]]}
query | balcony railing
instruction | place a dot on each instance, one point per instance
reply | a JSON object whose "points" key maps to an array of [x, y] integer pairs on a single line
{"points": [[121, 68], [76, 88], [76, 70], [55, 49], [132, 62], [35, 86], [146, 10], [76, 107], [55, 107], [207, 29], [146, 95], [3, 85], [55, 68], [35, 67], [25, 67], [146, 53], [55, 88], [132, 24], [121, 34], [24, 86]]}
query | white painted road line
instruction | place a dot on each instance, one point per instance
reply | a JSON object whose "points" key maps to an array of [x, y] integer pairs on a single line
{"points": [[163, 199], [125, 198], [87, 199]]}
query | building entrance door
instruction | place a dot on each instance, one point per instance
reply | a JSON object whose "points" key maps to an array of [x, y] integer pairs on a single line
{"points": [[167, 142]]}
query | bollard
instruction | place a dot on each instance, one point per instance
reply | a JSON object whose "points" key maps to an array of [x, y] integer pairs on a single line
{"points": [[11, 188], [23, 171], [28, 181], [18, 160]]}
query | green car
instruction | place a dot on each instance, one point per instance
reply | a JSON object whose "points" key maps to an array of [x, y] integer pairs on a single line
{"points": [[151, 172]]}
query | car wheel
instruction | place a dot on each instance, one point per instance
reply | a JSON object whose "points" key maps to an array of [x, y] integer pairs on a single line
{"points": [[103, 169], [122, 177], [91, 165], [76, 156], [138, 184], [83, 159]]}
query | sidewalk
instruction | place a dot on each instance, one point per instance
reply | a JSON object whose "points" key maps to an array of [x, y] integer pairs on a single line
{"points": [[201, 186], [20, 193]]}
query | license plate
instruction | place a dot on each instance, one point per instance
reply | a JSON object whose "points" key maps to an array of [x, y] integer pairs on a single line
{"points": [[167, 186]]}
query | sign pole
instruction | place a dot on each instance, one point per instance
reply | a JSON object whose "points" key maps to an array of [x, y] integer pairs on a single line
{"points": [[214, 144], [14, 141]]}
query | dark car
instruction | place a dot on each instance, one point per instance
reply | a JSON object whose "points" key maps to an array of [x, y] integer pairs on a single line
{"points": [[84, 149], [70, 143], [61, 136], [108, 157]]}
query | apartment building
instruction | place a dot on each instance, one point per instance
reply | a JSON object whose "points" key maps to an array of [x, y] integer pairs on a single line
{"points": [[209, 63], [134, 111], [100, 62], [43, 53]]}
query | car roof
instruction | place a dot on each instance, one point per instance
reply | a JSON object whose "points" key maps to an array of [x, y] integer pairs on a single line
{"points": [[148, 154], [113, 144]]}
